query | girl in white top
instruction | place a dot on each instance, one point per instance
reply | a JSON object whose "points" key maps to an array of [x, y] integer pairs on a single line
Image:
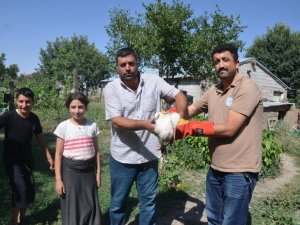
{"points": [[77, 165]]}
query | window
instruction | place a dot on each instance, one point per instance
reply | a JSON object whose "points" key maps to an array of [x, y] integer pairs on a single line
{"points": [[271, 123], [277, 96]]}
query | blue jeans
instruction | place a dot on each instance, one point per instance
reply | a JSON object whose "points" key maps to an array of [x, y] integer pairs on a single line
{"points": [[228, 196], [122, 177]]}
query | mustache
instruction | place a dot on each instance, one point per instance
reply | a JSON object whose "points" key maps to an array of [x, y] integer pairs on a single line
{"points": [[222, 69], [125, 74]]}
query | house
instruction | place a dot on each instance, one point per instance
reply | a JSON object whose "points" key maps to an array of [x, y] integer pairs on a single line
{"points": [[193, 88], [274, 91]]}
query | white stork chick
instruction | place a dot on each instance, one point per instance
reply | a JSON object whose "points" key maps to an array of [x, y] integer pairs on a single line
{"points": [[164, 126]]}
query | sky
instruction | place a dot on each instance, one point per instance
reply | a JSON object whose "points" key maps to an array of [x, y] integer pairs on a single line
{"points": [[27, 25]]}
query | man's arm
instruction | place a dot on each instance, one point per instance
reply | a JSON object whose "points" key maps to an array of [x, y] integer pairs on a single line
{"points": [[181, 105], [130, 124], [193, 111], [231, 126], [207, 128], [44, 147]]}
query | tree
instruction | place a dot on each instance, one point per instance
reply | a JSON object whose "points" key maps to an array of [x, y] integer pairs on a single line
{"points": [[211, 30], [171, 26], [7, 76], [279, 51], [171, 39], [12, 71], [44, 90], [62, 56]]}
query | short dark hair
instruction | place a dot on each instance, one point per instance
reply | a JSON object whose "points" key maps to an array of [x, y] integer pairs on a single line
{"points": [[122, 52], [226, 47], [27, 92], [77, 96]]}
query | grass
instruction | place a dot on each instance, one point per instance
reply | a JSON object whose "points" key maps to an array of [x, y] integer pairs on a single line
{"points": [[281, 208]]}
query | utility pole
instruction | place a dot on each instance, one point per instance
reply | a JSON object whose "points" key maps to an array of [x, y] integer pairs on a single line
{"points": [[75, 81], [11, 104]]}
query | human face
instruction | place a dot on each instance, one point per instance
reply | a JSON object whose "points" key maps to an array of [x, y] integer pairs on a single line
{"points": [[127, 68], [225, 66], [77, 110], [24, 105]]}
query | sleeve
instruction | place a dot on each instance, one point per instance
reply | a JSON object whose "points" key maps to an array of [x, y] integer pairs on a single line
{"points": [[202, 103], [96, 130], [247, 98], [168, 92], [38, 127], [113, 105], [59, 131]]}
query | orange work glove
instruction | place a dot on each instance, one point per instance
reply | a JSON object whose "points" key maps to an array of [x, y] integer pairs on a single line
{"points": [[172, 110], [194, 128]]}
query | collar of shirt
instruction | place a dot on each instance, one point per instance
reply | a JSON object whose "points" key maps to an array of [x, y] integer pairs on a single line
{"points": [[219, 87], [138, 90]]}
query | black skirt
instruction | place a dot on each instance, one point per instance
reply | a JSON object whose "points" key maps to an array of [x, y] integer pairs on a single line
{"points": [[80, 204]]}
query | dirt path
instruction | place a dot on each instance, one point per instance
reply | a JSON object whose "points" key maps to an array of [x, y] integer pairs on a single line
{"points": [[191, 211], [269, 186]]}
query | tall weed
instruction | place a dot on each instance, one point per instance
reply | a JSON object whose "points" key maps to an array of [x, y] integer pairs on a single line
{"points": [[285, 137]]}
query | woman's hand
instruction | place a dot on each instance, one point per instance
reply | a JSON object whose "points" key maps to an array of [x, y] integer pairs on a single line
{"points": [[60, 187], [98, 179]]}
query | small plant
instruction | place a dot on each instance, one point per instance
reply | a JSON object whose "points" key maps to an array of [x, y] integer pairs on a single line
{"points": [[271, 154], [170, 176]]}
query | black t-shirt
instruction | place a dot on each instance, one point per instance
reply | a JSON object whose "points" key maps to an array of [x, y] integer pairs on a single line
{"points": [[18, 136]]}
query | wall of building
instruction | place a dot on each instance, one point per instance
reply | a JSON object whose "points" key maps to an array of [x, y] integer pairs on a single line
{"points": [[271, 89]]}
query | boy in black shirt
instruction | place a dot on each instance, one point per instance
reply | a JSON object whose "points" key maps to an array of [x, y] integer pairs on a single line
{"points": [[20, 125]]}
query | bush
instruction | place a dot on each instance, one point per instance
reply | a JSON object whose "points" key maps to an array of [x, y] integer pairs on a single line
{"points": [[192, 152], [271, 153], [170, 176]]}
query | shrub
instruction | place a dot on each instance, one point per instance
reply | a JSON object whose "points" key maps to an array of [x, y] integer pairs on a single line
{"points": [[270, 155], [192, 152], [170, 176]]}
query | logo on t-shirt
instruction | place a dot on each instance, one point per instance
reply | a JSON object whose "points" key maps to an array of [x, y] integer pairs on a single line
{"points": [[229, 101]]}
